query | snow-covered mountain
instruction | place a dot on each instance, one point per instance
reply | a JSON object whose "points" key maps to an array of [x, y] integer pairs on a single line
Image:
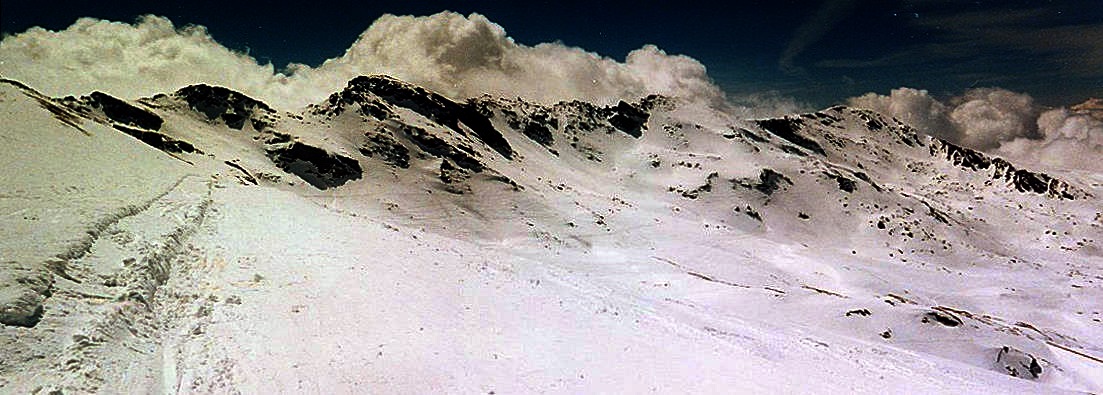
{"points": [[391, 239]]}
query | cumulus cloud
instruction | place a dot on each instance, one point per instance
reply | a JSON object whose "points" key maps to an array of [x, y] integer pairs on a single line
{"points": [[988, 117], [915, 107], [1001, 122], [148, 57], [1069, 141], [980, 118], [459, 56]]}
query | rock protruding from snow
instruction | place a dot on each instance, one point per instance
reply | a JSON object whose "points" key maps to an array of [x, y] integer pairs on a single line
{"points": [[431, 105], [218, 103], [629, 119], [789, 129], [384, 146], [122, 112], [768, 182], [1018, 363], [1021, 180], [316, 166]]}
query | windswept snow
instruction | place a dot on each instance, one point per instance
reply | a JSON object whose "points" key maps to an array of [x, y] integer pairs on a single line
{"points": [[501, 246]]}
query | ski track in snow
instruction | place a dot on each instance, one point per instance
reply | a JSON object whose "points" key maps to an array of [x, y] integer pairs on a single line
{"points": [[596, 262]]}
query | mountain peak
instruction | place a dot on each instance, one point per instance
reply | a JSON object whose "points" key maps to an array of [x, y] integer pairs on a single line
{"points": [[230, 106]]}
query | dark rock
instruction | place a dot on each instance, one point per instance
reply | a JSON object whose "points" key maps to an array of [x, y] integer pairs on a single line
{"points": [[158, 140], [123, 113], [770, 181], [943, 318], [629, 119], [216, 102], [752, 135], [534, 121], [433, 106], [707, 187], [864, 177], [314, 165], [789, 129], [750, 212], [462, 156], [1018, 363], [453, 177], [861, 312], [538, 132], [248, 177], [1021, 180], [22, 292], [845, 184], [387, 149]]}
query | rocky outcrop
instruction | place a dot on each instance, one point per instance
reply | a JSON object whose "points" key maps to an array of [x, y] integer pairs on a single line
{"points": [[1018, 363], [430, 105], [123, 113], [462, 155], [788, 128], [1021, 180], [629, 119], [158, 140], [316, 166], [767, 182], [383, 146], [231, 107]]}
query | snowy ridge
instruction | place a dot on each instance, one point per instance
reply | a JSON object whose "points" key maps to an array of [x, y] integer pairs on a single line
{"points": [[400, 240]]}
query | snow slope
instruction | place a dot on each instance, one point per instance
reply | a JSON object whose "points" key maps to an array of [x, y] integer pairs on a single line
{"points": [[390, 239]]}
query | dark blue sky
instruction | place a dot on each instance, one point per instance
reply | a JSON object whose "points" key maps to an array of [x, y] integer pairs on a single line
{"points": [[819, 52]]}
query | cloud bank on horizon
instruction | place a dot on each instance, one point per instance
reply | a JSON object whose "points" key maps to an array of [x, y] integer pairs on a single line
{"points": [[1001, 122], [459, 56], [465, 56]]}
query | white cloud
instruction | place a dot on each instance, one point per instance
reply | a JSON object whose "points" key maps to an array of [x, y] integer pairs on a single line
{"points": [[456, 55], [148, 57], [988, 117], [1069, 141], [999, 121], [914, 107]]}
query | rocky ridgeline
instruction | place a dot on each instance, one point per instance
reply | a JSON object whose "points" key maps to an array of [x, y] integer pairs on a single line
{"points": [[1021, 180], [815, 131], [369, 93], [231, 107], [471, 123]]}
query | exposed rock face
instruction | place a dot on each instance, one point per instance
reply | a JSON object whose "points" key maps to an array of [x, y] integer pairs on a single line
{"points": [[314, 165], [462, 155], [768, 182], [1021, 180], [788, 128], [123, 113], [454, 177], [158, 140], [384, 147], [629, 119], [430, 105], [1018, 363], [233, 108]]}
